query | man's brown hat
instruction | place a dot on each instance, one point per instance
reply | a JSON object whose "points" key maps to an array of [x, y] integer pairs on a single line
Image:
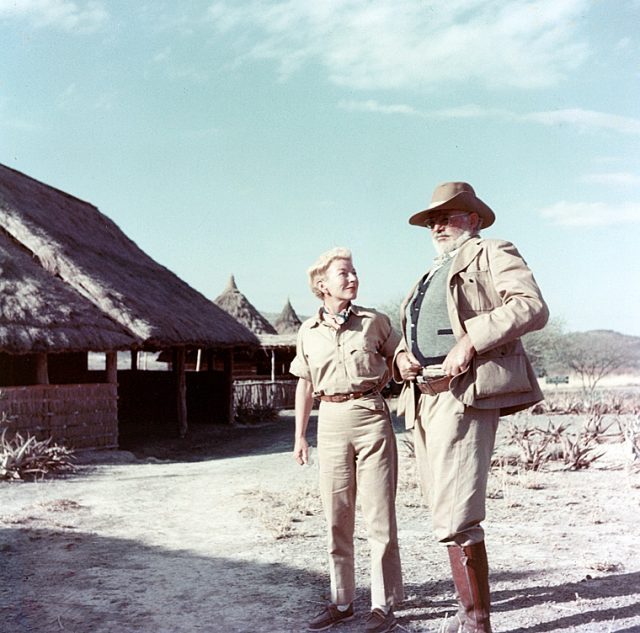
{"points": [[458, 196]]}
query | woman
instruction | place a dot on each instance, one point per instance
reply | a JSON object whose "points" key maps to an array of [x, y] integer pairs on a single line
{"points": [[342, 359]]}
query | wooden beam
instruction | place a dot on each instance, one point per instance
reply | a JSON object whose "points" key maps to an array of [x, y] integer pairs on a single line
{"points": [[228, 376], [42, 369], [273, 365], [181, 390], [111, 366], [134, 360]]}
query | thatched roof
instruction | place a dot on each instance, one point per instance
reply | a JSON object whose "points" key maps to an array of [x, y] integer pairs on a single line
{"points": [[270, 341], [71, 239], [40, 313], [240, 308], [288, 322]]}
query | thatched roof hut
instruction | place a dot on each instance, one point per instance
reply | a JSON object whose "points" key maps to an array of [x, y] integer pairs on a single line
{"points": [[71, 239], [288, 322], [240, 308], [39, 313]]}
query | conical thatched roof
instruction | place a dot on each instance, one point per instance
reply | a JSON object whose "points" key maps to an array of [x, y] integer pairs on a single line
{"points": [[71, 239], [240, 308], [40, 313], [288, 322]]}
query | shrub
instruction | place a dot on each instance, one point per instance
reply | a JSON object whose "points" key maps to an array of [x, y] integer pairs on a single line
{"points": [[631, 433], [537, 446], [29, 458], [248, 413]]}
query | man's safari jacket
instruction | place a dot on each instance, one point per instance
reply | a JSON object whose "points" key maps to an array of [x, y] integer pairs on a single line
{"points": [[493, 297]]}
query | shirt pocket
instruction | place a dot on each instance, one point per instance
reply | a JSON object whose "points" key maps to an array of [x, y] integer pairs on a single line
{"points": [[363, 359]]}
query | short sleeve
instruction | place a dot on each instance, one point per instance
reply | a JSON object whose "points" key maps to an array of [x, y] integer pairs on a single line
{"points": [[299, 365], [389, 337]]}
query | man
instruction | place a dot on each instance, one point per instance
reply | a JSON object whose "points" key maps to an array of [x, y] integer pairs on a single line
{"points": [[463, 366]]}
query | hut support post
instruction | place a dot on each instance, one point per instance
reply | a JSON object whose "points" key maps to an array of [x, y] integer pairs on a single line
{"points": [[42, 369], [134, 360], [228, 375], [111, 366], [181, 390], [273, 365]]}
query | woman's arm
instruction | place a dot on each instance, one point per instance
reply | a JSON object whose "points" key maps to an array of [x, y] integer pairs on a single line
{"points": [[304, 403]]}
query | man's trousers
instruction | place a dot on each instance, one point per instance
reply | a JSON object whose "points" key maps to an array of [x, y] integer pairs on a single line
{"points": [[453, 446], [357, 453]]}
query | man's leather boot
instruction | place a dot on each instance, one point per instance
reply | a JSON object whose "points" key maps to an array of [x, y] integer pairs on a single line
{"points": [[470, 572]]}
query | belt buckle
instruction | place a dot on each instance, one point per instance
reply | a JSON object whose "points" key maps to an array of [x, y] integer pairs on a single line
{"points": [[423, 385]]}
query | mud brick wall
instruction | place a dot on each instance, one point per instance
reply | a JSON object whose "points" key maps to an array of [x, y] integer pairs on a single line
{"points": [[78, 416]]}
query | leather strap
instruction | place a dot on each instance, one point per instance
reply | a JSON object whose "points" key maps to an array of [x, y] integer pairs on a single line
{"points": [[432, 386], [343, 397]]}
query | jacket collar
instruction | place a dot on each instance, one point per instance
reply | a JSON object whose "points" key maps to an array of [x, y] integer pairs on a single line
{"points": [[466, 254]]}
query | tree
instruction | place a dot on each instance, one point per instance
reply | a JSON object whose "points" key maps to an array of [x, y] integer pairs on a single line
{"points": [[544, 346], [392, 310], [596, 354]]}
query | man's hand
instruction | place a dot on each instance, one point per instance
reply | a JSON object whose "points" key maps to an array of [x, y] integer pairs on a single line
{"points": [[301, 451], [408, 365], [458, 359]]}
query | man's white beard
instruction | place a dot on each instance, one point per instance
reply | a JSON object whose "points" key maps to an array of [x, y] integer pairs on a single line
{"points": [[451, 245]]}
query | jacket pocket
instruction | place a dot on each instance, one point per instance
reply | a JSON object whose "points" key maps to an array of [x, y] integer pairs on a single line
{"points": [[501, 375], [475, 291]]}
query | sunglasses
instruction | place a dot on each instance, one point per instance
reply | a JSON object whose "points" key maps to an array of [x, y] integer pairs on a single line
{"points": [[443, 220]]}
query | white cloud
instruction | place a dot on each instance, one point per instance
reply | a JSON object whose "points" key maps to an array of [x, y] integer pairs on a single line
{"points": [[63, 14], [620, 178], [584, 120], [587, 120], [469, 111], [589, 214], [373, 106], [68, 98], [410, 43], [163, 55]]}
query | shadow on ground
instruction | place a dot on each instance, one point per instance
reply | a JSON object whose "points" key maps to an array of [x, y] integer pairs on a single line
{"points": [[75, 581], [428, 601]]}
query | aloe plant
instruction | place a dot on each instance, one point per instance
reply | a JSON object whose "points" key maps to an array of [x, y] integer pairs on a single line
{"points": [[30, 458]]}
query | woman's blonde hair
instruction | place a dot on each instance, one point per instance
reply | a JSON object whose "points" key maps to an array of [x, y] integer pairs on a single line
{"points": [[317, 271]]}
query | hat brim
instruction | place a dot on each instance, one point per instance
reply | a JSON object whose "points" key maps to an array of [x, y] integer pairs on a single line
{"points": [[463, 201]]}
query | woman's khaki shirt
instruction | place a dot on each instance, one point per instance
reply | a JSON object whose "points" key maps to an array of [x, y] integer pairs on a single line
{"points": [[352, 359]]}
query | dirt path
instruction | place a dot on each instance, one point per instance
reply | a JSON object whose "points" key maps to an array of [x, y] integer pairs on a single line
{"points": [[223, 533]]}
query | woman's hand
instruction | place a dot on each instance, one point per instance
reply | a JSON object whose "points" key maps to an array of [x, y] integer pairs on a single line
{"points": [[301, 451], [408, 365]]}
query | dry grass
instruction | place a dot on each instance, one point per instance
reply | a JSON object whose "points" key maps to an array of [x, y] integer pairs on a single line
{"points": [[283, 513]]}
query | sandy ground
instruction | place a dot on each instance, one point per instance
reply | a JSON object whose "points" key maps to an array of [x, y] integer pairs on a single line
{"points": [[223, 532]]}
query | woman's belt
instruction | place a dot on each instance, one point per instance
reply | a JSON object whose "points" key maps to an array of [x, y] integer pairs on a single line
{"points": [[432, 386], [343, 397]]}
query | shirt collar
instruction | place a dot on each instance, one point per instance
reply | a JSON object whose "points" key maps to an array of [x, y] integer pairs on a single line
{"points": [[355, 311]]}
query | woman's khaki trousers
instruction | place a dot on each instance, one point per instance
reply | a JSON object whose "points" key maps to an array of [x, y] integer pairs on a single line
{"points": [[357, 453]]}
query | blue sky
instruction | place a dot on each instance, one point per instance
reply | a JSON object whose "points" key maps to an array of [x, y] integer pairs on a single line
{"points": [[248, 137]]}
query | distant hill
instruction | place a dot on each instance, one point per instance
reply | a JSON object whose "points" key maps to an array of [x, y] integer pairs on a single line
{"points": [[616, 338]]}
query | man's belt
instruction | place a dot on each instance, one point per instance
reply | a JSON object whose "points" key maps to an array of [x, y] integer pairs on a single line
{"points": [[432, 386], [343, 397]]}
